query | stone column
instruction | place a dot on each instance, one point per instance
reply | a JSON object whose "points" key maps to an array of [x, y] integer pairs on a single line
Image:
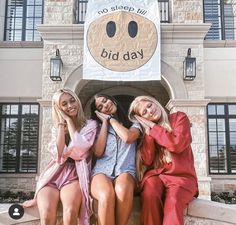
{"points": [[68, 39], [59, 11], [196, 111], [187, 11]]}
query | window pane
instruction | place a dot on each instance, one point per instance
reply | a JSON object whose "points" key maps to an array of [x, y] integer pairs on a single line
{"points": [[18, 11], [213, 138], [211, 109], [9, 109], [38, 11], [29, 35], [232, 109], [18, 23], [218, 162], [221, 139], [6, 109], [14, 109], [29, 138], [25, 109], [29, 23], [38, 2], [212, 124], [220, 124], [35, 109], [19, 138], [37, 36], [18, 35], [37, 22], [30, 11], [30, 2], [233, 158], [232, 124], [232, 136], [220, 110], [8, 144]]}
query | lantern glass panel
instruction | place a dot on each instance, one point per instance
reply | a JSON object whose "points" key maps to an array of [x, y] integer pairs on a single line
{"points": [[56, 65]]}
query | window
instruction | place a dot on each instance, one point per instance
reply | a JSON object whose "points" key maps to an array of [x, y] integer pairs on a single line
{"points": [[82, 8], [22, 17], [19, 137], [222, 138], [222, 15]]}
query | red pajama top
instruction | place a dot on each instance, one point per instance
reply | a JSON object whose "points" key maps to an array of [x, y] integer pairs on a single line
{"points": [[180, 171]]}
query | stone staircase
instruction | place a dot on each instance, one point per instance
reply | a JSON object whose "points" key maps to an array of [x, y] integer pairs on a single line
{"points": [[199, 212]]}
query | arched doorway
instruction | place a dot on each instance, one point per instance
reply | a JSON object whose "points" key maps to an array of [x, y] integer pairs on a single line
{"points": [[125, 101], [125, 92]]}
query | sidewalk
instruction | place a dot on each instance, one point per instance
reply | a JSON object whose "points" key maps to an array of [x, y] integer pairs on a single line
{"points": [[4, 207]]}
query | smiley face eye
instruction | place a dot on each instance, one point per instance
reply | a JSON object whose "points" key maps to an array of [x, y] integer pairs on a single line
{"points": [[132, 29], [111, 29]]}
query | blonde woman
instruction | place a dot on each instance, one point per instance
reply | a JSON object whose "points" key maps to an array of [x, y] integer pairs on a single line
{"points": [[165, 163], [66, 178]]}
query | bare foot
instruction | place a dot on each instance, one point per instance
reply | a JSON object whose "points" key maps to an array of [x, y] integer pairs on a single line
{"points": [[29, 203]]}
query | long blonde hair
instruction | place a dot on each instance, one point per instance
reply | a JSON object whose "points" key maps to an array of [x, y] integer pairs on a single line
{"points": [[81, 120], [163, 121]]}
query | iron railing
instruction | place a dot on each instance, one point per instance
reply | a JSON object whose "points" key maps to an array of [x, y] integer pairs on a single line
{"points": [[82, 7]]}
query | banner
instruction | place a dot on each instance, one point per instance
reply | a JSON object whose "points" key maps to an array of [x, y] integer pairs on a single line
{"points": [[122, 40]]}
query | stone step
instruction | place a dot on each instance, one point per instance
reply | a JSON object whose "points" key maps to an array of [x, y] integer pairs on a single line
{"points": [[199, 212]]}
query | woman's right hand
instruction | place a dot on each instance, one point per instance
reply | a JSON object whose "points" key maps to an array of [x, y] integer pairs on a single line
{"points": [[61, 115], [102, 116], [146, 124]]}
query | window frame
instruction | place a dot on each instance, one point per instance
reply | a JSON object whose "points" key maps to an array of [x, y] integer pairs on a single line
{"points": [[222, 22], [19, 132], [23, 22], [226, 118]]}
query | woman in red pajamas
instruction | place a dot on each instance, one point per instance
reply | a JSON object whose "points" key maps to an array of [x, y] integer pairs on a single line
{"points": [[165, 163]]}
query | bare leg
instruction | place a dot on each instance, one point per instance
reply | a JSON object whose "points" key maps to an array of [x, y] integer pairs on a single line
{"points": [[47, 200], [102, 190], [124, 189], [71, 198]]}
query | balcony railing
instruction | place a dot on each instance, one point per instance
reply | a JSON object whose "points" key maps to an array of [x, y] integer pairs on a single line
{"points": [[163, 7]]}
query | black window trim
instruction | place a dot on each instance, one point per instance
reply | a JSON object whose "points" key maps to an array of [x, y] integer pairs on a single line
{"points": [[23, 30], [20, 116], [226, 118]]}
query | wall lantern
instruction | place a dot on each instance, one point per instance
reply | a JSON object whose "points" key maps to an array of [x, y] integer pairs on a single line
{"points": [[189, 66], [56, 67]]}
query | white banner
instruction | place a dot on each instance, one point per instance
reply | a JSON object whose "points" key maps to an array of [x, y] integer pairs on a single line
{"points": [[122, 40]]}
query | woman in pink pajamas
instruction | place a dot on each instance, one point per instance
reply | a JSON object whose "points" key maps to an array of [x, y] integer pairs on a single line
{"points": [[165, 163], [66, 177]]}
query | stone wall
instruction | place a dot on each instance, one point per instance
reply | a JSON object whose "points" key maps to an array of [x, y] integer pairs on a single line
{"points": [[186, 31], [187, 11]]}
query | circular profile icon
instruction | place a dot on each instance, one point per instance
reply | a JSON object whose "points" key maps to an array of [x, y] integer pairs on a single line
{"points": [[16, 211]]}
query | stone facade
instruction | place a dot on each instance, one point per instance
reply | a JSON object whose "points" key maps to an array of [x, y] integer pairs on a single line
{"points": [[185, 30]]}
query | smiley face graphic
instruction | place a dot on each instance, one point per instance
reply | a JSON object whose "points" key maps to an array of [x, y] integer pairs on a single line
{"points": [[122, 41]]}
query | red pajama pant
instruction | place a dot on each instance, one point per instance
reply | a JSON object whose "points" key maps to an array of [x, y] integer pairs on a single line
{"points": [[162, 203]]}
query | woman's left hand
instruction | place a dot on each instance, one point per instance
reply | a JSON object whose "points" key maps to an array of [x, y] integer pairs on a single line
{"points": [[63, 115], [147, 124], [102, 116]]}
